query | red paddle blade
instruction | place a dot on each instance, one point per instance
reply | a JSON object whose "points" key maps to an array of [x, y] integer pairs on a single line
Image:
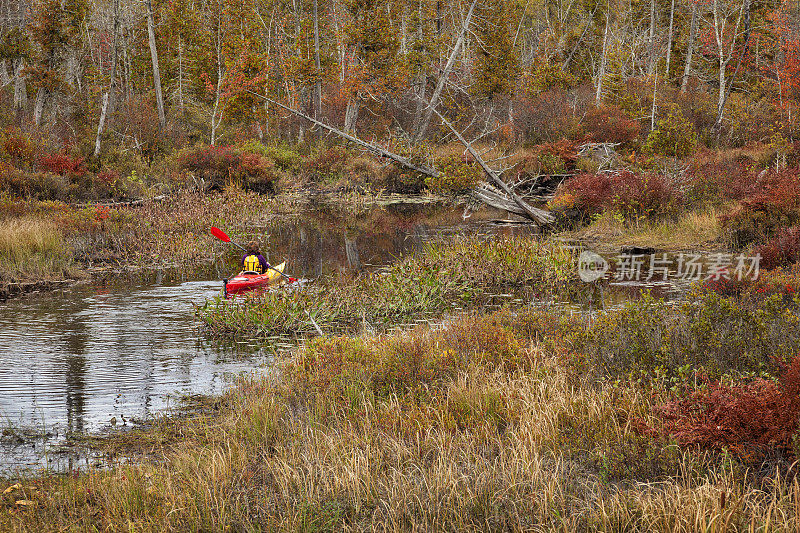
{"points": [[219, 234]]}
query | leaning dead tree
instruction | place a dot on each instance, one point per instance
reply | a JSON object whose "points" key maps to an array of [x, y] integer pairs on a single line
{"points": [[369, 147], [540, 216], [504, 198]]}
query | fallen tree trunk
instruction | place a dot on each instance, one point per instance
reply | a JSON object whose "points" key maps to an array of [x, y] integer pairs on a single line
{"points": [[491, 196], [377, 150], [516, 204]]}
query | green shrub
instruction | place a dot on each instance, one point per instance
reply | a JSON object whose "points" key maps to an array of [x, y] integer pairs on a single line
{"points": [[284, 158], [674, 136], [709, 331], [455, 175]]}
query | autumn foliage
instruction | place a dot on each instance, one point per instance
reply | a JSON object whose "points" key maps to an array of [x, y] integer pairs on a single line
{"points": [[773, 205], [781, 250], [750, 419], [628, 193], [223, 165]]}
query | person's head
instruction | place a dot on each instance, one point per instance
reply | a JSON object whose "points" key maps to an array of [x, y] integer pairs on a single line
{"points": [[252, 248]]}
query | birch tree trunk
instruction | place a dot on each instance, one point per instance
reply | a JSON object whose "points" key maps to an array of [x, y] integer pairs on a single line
{"points": [[601, 73], [151, 35], [181, 104], [20, 89], [421, 85], [669, 38], [351, 115], [651, 40], [217, 120], [745, 11], [690, 47], [5, 79], [38, 106], [317, 66], [109, 96]]}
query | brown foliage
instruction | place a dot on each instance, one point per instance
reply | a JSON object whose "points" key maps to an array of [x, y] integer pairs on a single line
{"points": [[610, 124], [547, 117], [631, 194]]}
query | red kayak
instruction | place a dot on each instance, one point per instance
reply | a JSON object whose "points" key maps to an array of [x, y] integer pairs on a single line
{"points": [[248, 281]]}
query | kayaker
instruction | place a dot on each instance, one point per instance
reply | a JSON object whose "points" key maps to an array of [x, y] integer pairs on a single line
{"points": [[253, 261]]}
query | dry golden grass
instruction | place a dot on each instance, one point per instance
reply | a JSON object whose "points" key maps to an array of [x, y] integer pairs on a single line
{"points": [[698, 229], [489, 432], [32, 249], [692, 230]]}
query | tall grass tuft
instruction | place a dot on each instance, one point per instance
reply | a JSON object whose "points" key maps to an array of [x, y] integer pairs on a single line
{"points": [[32, 249]]}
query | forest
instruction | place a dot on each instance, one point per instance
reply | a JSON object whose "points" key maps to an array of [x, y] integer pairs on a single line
{"points": [[121, 87]]}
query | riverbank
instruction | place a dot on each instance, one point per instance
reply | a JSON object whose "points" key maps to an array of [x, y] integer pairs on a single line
{"points": [[506, 420]]}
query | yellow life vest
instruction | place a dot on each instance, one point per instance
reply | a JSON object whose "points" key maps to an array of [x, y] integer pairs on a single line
{"points": [[252, 264]]}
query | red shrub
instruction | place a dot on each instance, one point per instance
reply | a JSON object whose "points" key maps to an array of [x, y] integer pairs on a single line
{"points": [[781, 250], [611, 124], [752, 418], [564, 149], [774, 205], [17, 147], [731, 180], [727, 286], [633, 195], [62, 164]]}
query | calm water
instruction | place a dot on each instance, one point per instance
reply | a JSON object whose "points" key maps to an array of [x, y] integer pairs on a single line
{"points": [[73, 360]]}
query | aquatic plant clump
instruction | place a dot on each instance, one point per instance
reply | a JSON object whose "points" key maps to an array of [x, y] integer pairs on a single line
{"points": [[459, 272]]}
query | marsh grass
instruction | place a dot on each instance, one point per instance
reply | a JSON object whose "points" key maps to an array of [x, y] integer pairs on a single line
{"points": [[32, 249], [471, 426], [456, 272], [691, 230]]}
